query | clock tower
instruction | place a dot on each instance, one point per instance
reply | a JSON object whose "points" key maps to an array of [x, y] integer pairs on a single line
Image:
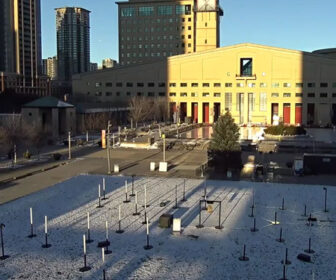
{"points": [[207, 20]]}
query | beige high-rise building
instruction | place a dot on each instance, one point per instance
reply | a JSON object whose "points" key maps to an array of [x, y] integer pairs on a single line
{"points": [[50, 67], [20, 47], [108, 63], [156, 29]]}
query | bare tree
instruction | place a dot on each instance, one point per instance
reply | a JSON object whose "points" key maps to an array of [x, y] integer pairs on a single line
{"points": [[37, 137], [140, 109], [160, 109], [94, 122]]}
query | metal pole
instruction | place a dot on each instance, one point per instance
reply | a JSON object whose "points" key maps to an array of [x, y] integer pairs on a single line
{"points": [[108, 148], [15, 154], [132, 194], [184, 199], [69, 144], [164, 149], [2, 243], [200, 216], [219, 216]]}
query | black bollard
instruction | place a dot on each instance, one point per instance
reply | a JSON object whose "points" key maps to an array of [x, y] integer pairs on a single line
{"points": [[275, 219], [176, 206], [286, 261], [127, 200], [46, 245], [243, 257], [184, 198], [132, 194], [280, 239], [254, 229], [119, 228], [3, 257], [252, 211], [283, 204], [309, 250], [99, 198], [85, 267], [283, 273], [325, 199], [31, 225], [200, 216], [145, 220], [219, 217], [147, 246], [305, 211], [104, 274]]}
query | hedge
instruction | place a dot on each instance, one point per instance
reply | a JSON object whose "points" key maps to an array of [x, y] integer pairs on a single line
{"points": [[285, 130]]}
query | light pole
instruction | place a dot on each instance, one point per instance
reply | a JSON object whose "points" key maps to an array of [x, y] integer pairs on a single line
{"points": [[164, 147], [108, 147], [69, 144]]}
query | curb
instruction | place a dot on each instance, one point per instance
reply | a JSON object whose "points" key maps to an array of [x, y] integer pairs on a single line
{"points": [[8, 180]]}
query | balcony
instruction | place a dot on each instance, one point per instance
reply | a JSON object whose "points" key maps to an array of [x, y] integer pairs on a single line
{"points": [[246, 77]]}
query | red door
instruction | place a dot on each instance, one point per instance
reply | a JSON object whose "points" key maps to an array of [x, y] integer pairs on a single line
{"points": [[286, 113], [206, 112], [195, 112], [298, 113]]}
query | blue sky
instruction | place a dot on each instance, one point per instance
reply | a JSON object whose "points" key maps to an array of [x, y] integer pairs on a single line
{"points": [[295, 24]]}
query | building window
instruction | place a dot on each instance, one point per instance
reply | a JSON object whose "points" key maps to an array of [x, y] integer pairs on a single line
{"points": [[240, 85], [298, 94], [108, 93], [334, 85], [183, 94], [108, 84], [228, 84], [146, 11], [162, 94], [119, 84], [206, 94], [140, 84], [323, 85], [311, 85], [128, 12], [251, 85], [151, 84], [194, 94], [98, 93], [118, 93], [165, 10], [172, 93], [299, 85], [172, 84], [162, 84], [139, 93], [324, 95], [183, 85], [275, 94], [194, 84], [217, 84], [251, 101], [311, 94], [128, 84], [217, 94], [228, 101], [275, 85], [263, 101], [246, 67], [152, 94], [334, 95], [286, 85], [98, 84], [263, 85], [128, 93], [206, 84], [286, 94]]}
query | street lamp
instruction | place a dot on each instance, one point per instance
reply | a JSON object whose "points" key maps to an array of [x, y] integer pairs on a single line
{"points": [[108, 147]]}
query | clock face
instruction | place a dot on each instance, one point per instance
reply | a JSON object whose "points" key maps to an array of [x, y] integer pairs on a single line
{"points": [[206, 5]]}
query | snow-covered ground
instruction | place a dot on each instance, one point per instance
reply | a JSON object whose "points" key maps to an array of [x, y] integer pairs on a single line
{"points": [[206, 253]]}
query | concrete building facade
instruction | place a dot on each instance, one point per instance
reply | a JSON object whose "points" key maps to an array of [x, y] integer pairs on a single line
{"points": [[151, 30], [73, 41], [257, 84]]}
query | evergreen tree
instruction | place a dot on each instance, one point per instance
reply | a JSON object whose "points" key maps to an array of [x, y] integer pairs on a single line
{"points": [[225, 136]]}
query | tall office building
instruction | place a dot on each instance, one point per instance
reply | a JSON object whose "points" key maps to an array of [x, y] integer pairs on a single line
{"points": [[73, 41], [20, 40], [49, 67], [154, 29]]}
